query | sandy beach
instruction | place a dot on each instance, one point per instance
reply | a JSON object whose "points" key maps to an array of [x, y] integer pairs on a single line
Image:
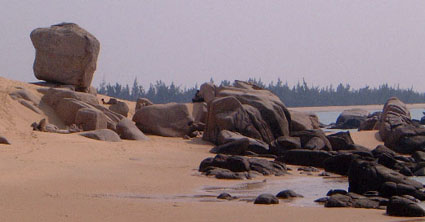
{"points": [[67, 177]]}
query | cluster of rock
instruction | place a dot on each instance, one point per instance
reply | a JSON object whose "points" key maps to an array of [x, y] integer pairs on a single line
{"points": [[245, 121]]}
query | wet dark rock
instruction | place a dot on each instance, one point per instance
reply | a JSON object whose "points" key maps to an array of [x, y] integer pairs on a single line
{"points": [[340, 140], [285, 143], [366, 203], [308, 169], [236, 147], [304, 157], [366, 176], [3, 140], [389, 189], [351, 119], [420, 172], [237, 167], [324, 174], [419, 156], [286, 194], [338, 164], [225, 196], [322, 200], [339, 200], [313, 139], [372, 193], [336, 191], [266, 167], [399, 206], [266, 199], [381, 149], [371, 122], [253, 145]]}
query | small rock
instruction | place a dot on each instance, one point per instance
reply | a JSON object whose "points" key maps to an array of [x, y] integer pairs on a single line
{"points": [[3, 140], [266, 199], [225, 196], [336, 191], [286, 194], [399, 206]]}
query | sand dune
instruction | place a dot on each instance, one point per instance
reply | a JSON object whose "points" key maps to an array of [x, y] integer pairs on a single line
{"points": [[58, 177]]}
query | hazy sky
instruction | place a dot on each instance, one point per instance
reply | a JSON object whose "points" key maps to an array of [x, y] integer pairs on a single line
{"points": [[325, 42]]}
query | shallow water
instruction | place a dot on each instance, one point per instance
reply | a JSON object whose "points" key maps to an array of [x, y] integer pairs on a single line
{"points": [[311, 187], [331, 116]]}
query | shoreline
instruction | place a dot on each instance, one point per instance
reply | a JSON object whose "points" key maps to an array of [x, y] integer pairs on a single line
{"points": [[342, 108]]}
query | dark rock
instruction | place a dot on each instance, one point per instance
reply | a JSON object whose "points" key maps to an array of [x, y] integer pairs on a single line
{"points": [[322, 200], [420, 172], [371, 122], [313, 139], [336, 191], [366, 203], [419, 156], [324, 174], [381, 149], [225, 196], [266, 167], [351, 119], [3, 140], [340, 140], [284, 143], [308, 169], [266, 199], [338, 164], [366, 176], [339, 200], [303, 157], [286, 194], [236, 147], [399, 206]]}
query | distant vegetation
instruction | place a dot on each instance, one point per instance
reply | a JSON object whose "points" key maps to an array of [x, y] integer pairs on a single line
{"points": [[293, 96]]}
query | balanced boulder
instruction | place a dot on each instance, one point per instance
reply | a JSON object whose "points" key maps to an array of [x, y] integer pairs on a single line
{"points": [[102, 134], [65, 53]]}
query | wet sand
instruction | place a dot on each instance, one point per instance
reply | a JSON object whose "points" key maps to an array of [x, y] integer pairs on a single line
{"points": [[54, 177]]}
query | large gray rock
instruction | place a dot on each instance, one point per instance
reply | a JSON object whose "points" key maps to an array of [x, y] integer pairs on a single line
{"points": [[126, 129], [207, 91], [52, 96], [250, 111], [304, 121], [120, 108], [398, 131], [172, 119], [102, 134], [65, 53], [90, 119]]}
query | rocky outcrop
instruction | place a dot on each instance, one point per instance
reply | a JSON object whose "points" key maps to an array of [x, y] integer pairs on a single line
{"points": [[172, 119], [102, 134], [65, 53], [351, 119], [120, 108], [90, 119], [252, 112], [403, 207], [27, 99], [207, 91], [126, 129], [239, 167], [266, 198], [303, 121], [371, 122], [141, 102], [364, 176], [397, 129]]}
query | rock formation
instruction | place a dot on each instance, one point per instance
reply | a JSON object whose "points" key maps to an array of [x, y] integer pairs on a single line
{"points": [[66, 54]]}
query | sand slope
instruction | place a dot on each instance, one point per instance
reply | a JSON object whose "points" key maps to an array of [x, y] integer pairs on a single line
{"points": [[55, 177]]}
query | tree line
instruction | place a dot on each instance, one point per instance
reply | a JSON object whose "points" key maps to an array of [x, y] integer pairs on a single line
{"points": [[298, 95]]}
